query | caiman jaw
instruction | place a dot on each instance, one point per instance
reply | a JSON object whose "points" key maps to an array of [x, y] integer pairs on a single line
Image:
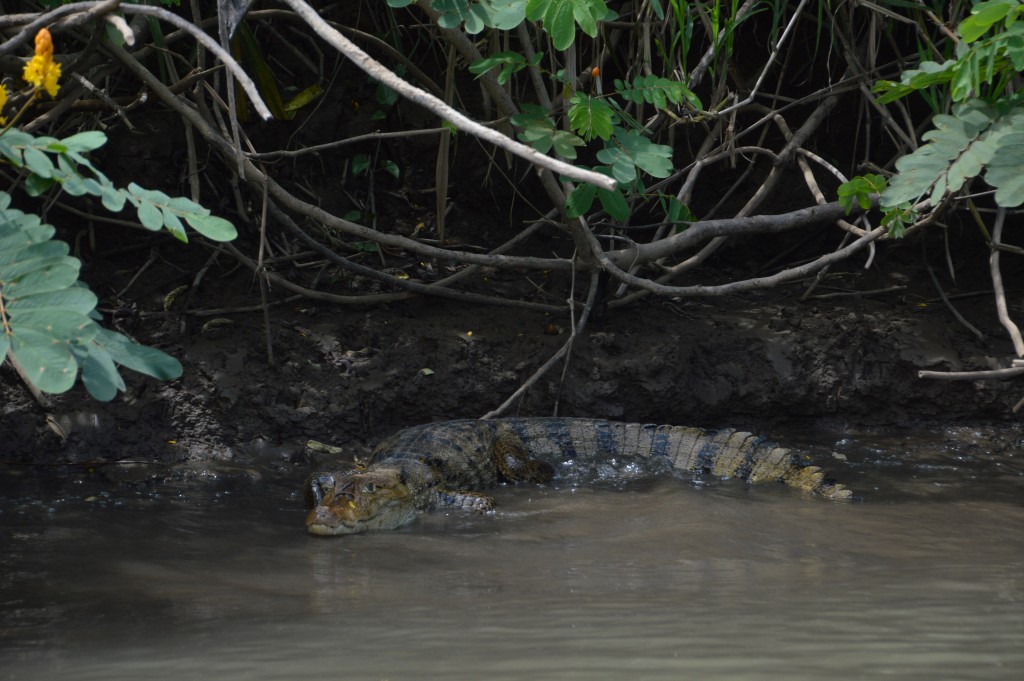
{"points": [[361, 502]]}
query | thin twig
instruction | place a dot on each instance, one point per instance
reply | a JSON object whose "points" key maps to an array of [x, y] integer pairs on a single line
{"points": [[997, 286], [955, 312], [562, 352], [768, 64]]}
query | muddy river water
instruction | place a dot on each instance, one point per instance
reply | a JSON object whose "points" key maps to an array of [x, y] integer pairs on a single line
{"points": [[662, 579]]}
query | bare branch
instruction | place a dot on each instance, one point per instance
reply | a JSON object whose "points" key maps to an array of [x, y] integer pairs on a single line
{"points": [[747, 284], [972, 375], [700, 231]]}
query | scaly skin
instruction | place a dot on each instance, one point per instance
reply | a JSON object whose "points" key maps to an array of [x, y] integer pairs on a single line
{"points": [[441, 465]]}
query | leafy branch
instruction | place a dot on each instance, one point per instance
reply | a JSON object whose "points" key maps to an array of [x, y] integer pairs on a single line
{"points": [[980, 137], [48, 318]]}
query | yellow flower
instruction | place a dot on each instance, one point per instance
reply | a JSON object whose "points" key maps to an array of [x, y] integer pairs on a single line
{"points": [[42, 71], [3, 103]]}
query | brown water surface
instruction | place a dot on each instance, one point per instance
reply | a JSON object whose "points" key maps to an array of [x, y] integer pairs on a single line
{"points": [[661, 580]]}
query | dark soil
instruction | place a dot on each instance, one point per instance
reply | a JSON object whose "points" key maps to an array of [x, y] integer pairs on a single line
{"points": [[351, 375]]}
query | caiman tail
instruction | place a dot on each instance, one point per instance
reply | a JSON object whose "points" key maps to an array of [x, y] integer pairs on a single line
{"points": [[722, 453]]}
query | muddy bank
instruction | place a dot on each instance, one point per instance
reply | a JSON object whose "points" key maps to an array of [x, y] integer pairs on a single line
{"points": [[351, 375]]}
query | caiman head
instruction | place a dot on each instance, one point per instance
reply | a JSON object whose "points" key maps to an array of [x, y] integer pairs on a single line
{"points": [[358, 501]]}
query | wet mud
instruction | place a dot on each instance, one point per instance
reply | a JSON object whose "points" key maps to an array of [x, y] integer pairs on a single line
{"points": [[350, 376], [847, 355]]}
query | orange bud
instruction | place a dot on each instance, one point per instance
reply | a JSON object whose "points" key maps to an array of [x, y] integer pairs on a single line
{"points": [[44, 43], [596, 71]]}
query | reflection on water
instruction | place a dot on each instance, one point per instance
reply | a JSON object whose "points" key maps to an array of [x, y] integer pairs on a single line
{"points": [[921, 581]]}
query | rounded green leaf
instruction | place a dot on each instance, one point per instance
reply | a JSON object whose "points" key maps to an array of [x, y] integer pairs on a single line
{"points": [[580, 200], [38, 162], [174, 226], [614, 204], [113, 199], [99, 374], [212, 227], [151, 217], [559, 24], [141, 358], [48, 365], [85, 141], [37, 185]]}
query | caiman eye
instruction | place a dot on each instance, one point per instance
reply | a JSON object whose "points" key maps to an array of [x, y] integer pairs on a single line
{"points": [[369, 488]]}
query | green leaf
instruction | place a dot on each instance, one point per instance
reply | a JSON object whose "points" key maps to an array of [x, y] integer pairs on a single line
{"points": [[587, 14], [22, 233], [859, 190], [510, 63], [676, 212], [49, 317], [1015, 46], [539, 131], [391, 168], [77, 299], [85, 141], [360, 164], [38, 162], [37, 185], [959, 148], [580, 200], [48, 365], [1006, 171], [174, 226], [16, 272], [141, 358], [538, 127], [591, 117], [61, 326], [658, 91], [99, 373], [566, 143], [505, 15], [212, 227], [897, 219], [614, 203], [31, 253], [560, 18], [559, 24], [113, 199], [151, 217], [983, 16], [630, 150], [57, 275]]}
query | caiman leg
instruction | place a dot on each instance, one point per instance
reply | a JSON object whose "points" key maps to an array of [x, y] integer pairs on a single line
{"points": [[514, 464]]}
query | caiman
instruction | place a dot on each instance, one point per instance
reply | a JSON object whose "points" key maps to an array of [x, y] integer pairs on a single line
{"points": [[445, 465]]}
